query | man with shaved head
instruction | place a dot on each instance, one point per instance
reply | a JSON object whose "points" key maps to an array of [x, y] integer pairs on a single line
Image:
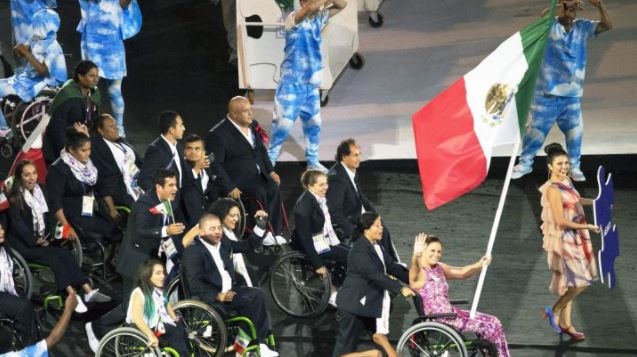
{"points": [[242, 165]]}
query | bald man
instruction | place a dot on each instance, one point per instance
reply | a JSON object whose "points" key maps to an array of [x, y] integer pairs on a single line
{"points": [[242, 165]]}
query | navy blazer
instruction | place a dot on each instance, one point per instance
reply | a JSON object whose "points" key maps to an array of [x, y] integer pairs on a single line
{"points": [[366, 281], [200, 271], [20, 232], [195, 199], [344, 201], [159, 156], [236, 161], [309, 221], [143, 234], [110, 176]]}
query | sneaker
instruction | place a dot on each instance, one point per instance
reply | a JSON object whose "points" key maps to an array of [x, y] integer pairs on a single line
{"points": [[577, 174], [80, 308], [332, 300], [93, 341], [271, 240], [95, 296], [265, 351], [317, 166], [520, 170], [6, 133]]}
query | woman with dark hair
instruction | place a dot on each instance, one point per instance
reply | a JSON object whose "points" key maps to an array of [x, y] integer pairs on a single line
{"points": [[428, 277], [363, 300], [314, 233], [117, 162], [229, 213], [570, 253], [29, 235], [151, 313], [75, 197], [75, 105]]}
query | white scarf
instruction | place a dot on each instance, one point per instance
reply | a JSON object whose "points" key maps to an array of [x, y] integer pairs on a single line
{"points": [[38, 206], [85, 173], [6, 273], [237, 259]]}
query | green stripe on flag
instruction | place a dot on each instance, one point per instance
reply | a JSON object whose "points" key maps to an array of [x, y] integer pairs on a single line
{"points": [[533, 42]]}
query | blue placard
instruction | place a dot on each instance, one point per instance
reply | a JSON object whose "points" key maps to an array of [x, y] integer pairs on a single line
{"points": [[603, 212]]}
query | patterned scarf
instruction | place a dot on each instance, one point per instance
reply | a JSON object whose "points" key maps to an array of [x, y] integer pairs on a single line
{"points": [[36, 201], [6, 272], [86, 173]]}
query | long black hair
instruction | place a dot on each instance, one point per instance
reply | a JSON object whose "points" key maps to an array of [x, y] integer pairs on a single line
{"points": [[144, 274], [15, 193]]}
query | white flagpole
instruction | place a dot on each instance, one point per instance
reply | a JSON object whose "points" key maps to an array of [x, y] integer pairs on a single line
{"points": [[494, 228]]}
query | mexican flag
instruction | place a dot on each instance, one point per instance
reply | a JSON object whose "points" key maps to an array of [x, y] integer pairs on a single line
{"points": [[62, 231], [162, 208], [456, 131]]}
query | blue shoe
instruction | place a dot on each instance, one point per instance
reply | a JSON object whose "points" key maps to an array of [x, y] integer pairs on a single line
{"points": [[520, 170], [548, 312]]}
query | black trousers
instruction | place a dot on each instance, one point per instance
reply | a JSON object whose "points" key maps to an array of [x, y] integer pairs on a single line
{"points": [[175, 338], [267, 192], [61, 261], [20, 311], [349, 330], [116, 317], [250, 302]]}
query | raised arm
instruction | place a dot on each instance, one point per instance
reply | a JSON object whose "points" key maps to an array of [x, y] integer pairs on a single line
{"points": [[604, 18]]}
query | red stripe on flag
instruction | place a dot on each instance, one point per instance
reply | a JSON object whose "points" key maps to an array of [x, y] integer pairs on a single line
{"points": [[450, 159]]}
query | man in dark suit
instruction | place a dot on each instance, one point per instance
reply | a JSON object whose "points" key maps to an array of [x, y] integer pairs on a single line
{"points": [[345, 199], [154, 224], [242, 164], [201, 191], [210, 275], [165, 152], [117, 163]]}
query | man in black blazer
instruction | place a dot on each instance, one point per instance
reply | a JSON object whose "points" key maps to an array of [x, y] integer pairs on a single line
{"points": [[242, 163], [150, 226], [112, 154], [202, 190], [210, 275], [165, 152], [345, 199]]}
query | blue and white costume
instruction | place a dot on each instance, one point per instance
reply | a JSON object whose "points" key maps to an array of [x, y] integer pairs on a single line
{"points": [[298, 91], [559, 90], [22, 12], [104, 27], [45, 48]]}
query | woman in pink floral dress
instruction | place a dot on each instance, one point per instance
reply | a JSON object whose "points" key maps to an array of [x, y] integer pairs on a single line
{"points": [[428, 277], [570, 254]]}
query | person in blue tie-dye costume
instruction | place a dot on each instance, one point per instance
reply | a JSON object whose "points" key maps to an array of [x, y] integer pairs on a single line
{"points": [[22, 12], [45, 62], [298, 91], [104, 26], [560, 85]]}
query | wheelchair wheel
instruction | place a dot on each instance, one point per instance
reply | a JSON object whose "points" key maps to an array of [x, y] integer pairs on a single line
{"points": [[126, 341], [428, 339], [296, 288], [28, 115], [22, 278], [240, 228], [205, 328], [175, 291]]}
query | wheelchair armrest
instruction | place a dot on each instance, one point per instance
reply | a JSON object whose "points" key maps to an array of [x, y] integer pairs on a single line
{"points": [[446, 315], [123, 209]]}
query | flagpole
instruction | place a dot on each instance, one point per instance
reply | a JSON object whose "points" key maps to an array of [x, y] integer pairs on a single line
{"points": [[494, 227]]}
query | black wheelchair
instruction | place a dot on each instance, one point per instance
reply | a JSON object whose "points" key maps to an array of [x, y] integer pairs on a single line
{"points": [[296, 287], [428, 337]]}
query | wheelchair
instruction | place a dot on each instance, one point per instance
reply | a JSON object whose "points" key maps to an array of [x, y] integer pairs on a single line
{"points": [[24, 117], [296, 287], [212, 330], [129, 341], [428, 337], [22, 277]]}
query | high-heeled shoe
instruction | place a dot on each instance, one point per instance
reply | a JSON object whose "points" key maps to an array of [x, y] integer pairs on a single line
{"points": [[548, 314], [575, 336]]}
